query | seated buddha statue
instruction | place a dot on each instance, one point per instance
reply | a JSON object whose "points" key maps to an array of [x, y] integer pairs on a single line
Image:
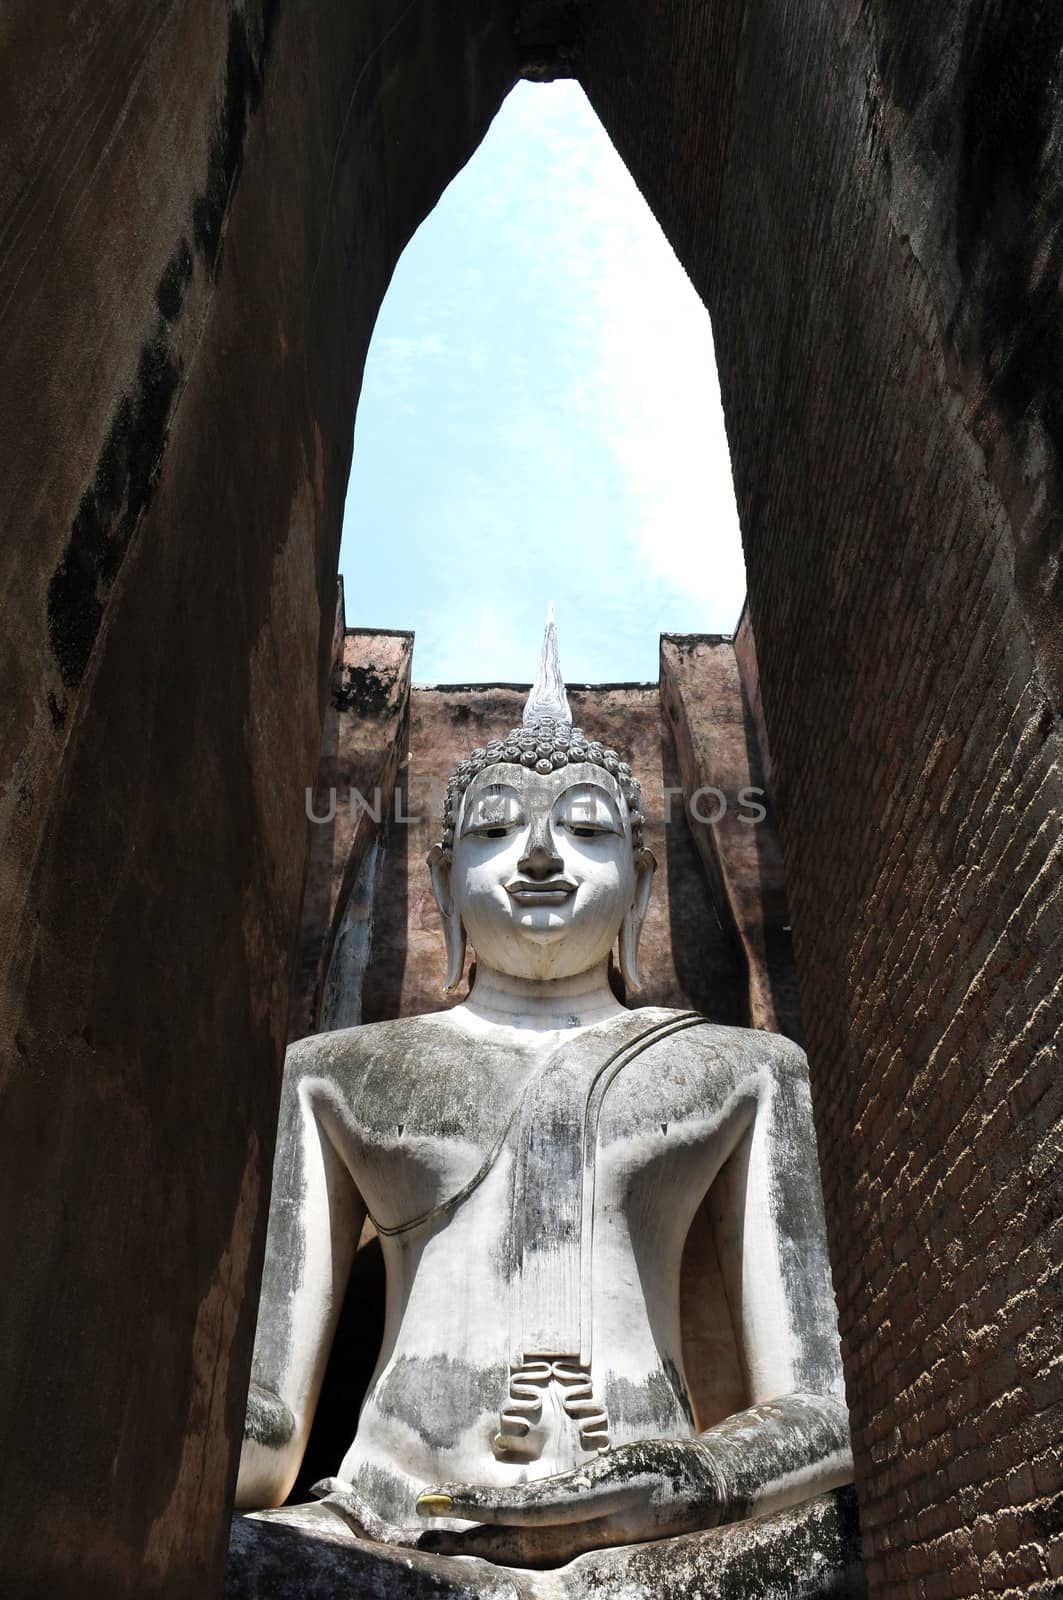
{"points": [[532, 1160]]}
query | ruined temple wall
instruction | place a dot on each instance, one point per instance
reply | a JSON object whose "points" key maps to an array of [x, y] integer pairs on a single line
{"points": [[868, 199], [365, 740], [200, 210], [692, 954]]}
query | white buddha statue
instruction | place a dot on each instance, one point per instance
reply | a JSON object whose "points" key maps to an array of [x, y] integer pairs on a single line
{"points": [[532, 1160]]}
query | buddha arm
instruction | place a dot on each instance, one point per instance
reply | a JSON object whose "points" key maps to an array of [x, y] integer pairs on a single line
{"points": [[760, 1460], [767, 1214], [315, 1217]]}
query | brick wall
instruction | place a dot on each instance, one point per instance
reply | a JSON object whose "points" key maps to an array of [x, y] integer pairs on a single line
{"points": [[866, 196]]}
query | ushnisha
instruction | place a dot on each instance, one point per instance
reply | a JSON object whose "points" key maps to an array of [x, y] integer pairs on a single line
{"points": [[533, 1159]]}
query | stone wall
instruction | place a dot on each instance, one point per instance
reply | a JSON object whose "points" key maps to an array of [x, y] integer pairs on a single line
{"points": [[722, 757], [867, 196], [364, 742]]}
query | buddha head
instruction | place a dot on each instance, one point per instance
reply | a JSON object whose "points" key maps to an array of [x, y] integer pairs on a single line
{"points": [[541, 863]]}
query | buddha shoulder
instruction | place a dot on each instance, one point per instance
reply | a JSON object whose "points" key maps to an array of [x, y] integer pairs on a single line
{"points": [[745, 1053], [396, 1052]]}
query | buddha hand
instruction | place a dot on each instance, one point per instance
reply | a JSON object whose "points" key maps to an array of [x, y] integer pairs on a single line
{"points": [[775, 1454], [646, 1490]]}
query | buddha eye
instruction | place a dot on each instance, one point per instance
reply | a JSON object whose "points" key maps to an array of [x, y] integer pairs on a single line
{"points": [[582, 829], [491, 827], [586, 813]]}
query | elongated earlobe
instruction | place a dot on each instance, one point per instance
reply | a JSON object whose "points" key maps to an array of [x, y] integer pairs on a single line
{"points": [[634, 917], [453, 927]]}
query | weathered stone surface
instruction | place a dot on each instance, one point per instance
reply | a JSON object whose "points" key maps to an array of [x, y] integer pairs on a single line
{"points": [[745, 649], [310, 1554], [730, 813], [362, 747], [810, 1553]]}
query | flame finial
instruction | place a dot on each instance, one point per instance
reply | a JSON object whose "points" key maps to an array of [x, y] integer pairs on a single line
{"points": [[548, 697], [545, 742]]}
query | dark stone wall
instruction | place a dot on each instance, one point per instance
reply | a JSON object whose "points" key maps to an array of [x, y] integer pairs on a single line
{"points": [[730, 812], [364, 742], [200, 211], [867, 196]]}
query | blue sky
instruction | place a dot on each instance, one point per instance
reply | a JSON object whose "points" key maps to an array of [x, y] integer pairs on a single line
{"points": [[540, 419]]}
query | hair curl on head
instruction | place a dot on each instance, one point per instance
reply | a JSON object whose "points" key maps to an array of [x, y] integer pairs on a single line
{"points": [[542, 745]]}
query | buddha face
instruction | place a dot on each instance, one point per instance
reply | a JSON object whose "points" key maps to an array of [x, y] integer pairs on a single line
{"points": [[544, 876]]}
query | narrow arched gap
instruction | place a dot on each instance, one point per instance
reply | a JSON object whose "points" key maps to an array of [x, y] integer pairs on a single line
{"points": [[540, 419]]}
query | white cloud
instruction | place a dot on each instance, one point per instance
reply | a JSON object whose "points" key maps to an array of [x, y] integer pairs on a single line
{"points": [[651, 380]]}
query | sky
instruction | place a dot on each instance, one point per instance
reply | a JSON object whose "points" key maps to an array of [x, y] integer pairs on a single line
{"points": [[540, 420]]}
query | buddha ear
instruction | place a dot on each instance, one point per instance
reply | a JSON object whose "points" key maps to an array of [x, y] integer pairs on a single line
{"points": [[634, 917], [439, 865]]}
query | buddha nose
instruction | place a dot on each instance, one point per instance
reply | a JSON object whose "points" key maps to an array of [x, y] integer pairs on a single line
{"points": [[540, 859]]}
